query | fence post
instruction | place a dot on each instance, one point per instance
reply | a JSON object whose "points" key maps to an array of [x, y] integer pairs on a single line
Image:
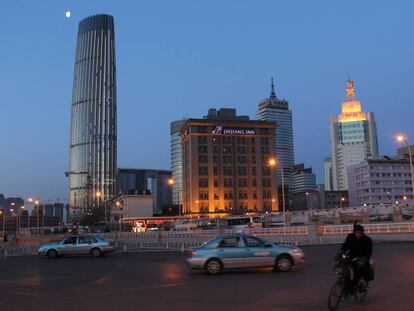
{"points": [[182, 248], [124, 248]]}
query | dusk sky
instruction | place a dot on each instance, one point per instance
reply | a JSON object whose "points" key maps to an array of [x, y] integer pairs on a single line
{"points": [[178, 58]]}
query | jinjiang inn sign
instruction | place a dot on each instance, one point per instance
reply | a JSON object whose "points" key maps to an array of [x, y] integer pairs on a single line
{"points": [[219, 130]]}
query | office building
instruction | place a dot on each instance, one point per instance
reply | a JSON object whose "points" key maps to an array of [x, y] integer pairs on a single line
{"points": [[226, 165], [146, 181], [304, 192], [176, 161], [332, 198], [93, 139], [380, 181], [403, 152], [353, 138], [52, 209], [277, 110], [10, 205], [303, 179]]}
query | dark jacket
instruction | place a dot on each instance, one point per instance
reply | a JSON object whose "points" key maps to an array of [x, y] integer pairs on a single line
{"points": [[358, 248]]}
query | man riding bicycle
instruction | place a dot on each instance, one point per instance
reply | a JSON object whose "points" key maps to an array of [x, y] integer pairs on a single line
{"points": [[359, 247]]}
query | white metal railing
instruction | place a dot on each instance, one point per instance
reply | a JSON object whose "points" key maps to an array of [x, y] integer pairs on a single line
{"points": [[370, 228], [283, 231]]}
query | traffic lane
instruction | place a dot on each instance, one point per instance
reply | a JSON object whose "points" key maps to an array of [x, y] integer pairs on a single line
{"points": [[161, 280]]}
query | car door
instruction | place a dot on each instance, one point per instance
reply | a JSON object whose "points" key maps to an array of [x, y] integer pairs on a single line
{"points": [[69, 246], [258, 252], [231, 251], [84, 245]]}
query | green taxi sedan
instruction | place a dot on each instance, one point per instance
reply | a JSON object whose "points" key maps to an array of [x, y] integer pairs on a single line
{"points": [[238, 251]]}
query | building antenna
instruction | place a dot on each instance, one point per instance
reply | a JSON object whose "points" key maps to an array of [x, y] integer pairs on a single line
{"points": [[272, 93]]}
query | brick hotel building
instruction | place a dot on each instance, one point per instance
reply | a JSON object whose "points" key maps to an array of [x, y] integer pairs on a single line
{"points": [[225, 165]]}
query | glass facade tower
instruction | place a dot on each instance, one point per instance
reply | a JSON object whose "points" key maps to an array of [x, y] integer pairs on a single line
{"points": [[353, 138], [93, 137], [176, 161], [277, 110]]}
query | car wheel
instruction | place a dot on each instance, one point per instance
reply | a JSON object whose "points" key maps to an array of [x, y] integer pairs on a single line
{"points": [[96, 252], [284, 264], [52, 253], [213, 266]]}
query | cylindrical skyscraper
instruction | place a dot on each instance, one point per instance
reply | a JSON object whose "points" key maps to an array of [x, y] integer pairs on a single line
{"points": [[93, 136]]}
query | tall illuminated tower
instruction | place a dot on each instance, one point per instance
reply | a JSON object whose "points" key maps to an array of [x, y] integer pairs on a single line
{"points": [[353, 138], [93, 136]]}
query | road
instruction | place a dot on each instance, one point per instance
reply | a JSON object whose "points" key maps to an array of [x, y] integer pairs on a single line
{"points": [[161, 281]]}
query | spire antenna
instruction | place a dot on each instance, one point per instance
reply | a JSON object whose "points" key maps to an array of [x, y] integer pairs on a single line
{"points": [[272, 93], [350, 90]]}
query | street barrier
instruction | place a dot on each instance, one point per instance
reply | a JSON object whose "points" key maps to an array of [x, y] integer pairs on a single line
{"points": [[184, 240], [369, 228]]}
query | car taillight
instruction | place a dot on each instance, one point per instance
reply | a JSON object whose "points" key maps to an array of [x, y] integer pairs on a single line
{"points": [[192, 253]]}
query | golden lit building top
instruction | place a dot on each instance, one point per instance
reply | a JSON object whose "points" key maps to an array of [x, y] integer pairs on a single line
{"points": [[351, 108]]}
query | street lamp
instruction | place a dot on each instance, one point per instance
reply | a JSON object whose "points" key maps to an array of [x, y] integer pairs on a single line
{"points": [[36, 204], [171, 183], [4, 218], [20, 219], [403, 139], [118, 205], [341, 201], [273, 163], [17, 214], [98, 194]]}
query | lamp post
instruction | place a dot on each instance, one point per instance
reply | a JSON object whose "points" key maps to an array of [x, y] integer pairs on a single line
{"points": [[403, 139], [12, 210], [20, 217], [118, 205], [341, 201], [273, 163], [3, 215], [171, 183], [36, 204], [17, 214], [98, 194]]}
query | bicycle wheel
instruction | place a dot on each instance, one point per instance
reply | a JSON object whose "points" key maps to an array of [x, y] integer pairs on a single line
{"points": [[335, 295]]}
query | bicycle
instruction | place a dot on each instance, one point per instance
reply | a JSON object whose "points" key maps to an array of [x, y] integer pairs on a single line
{"points": [[342, 287]]}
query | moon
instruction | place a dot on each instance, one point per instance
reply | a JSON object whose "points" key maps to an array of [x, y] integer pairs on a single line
{"points": [[68, 13]]}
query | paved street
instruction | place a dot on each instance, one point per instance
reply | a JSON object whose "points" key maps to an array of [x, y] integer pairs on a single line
{"points": [[161, 281]]}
